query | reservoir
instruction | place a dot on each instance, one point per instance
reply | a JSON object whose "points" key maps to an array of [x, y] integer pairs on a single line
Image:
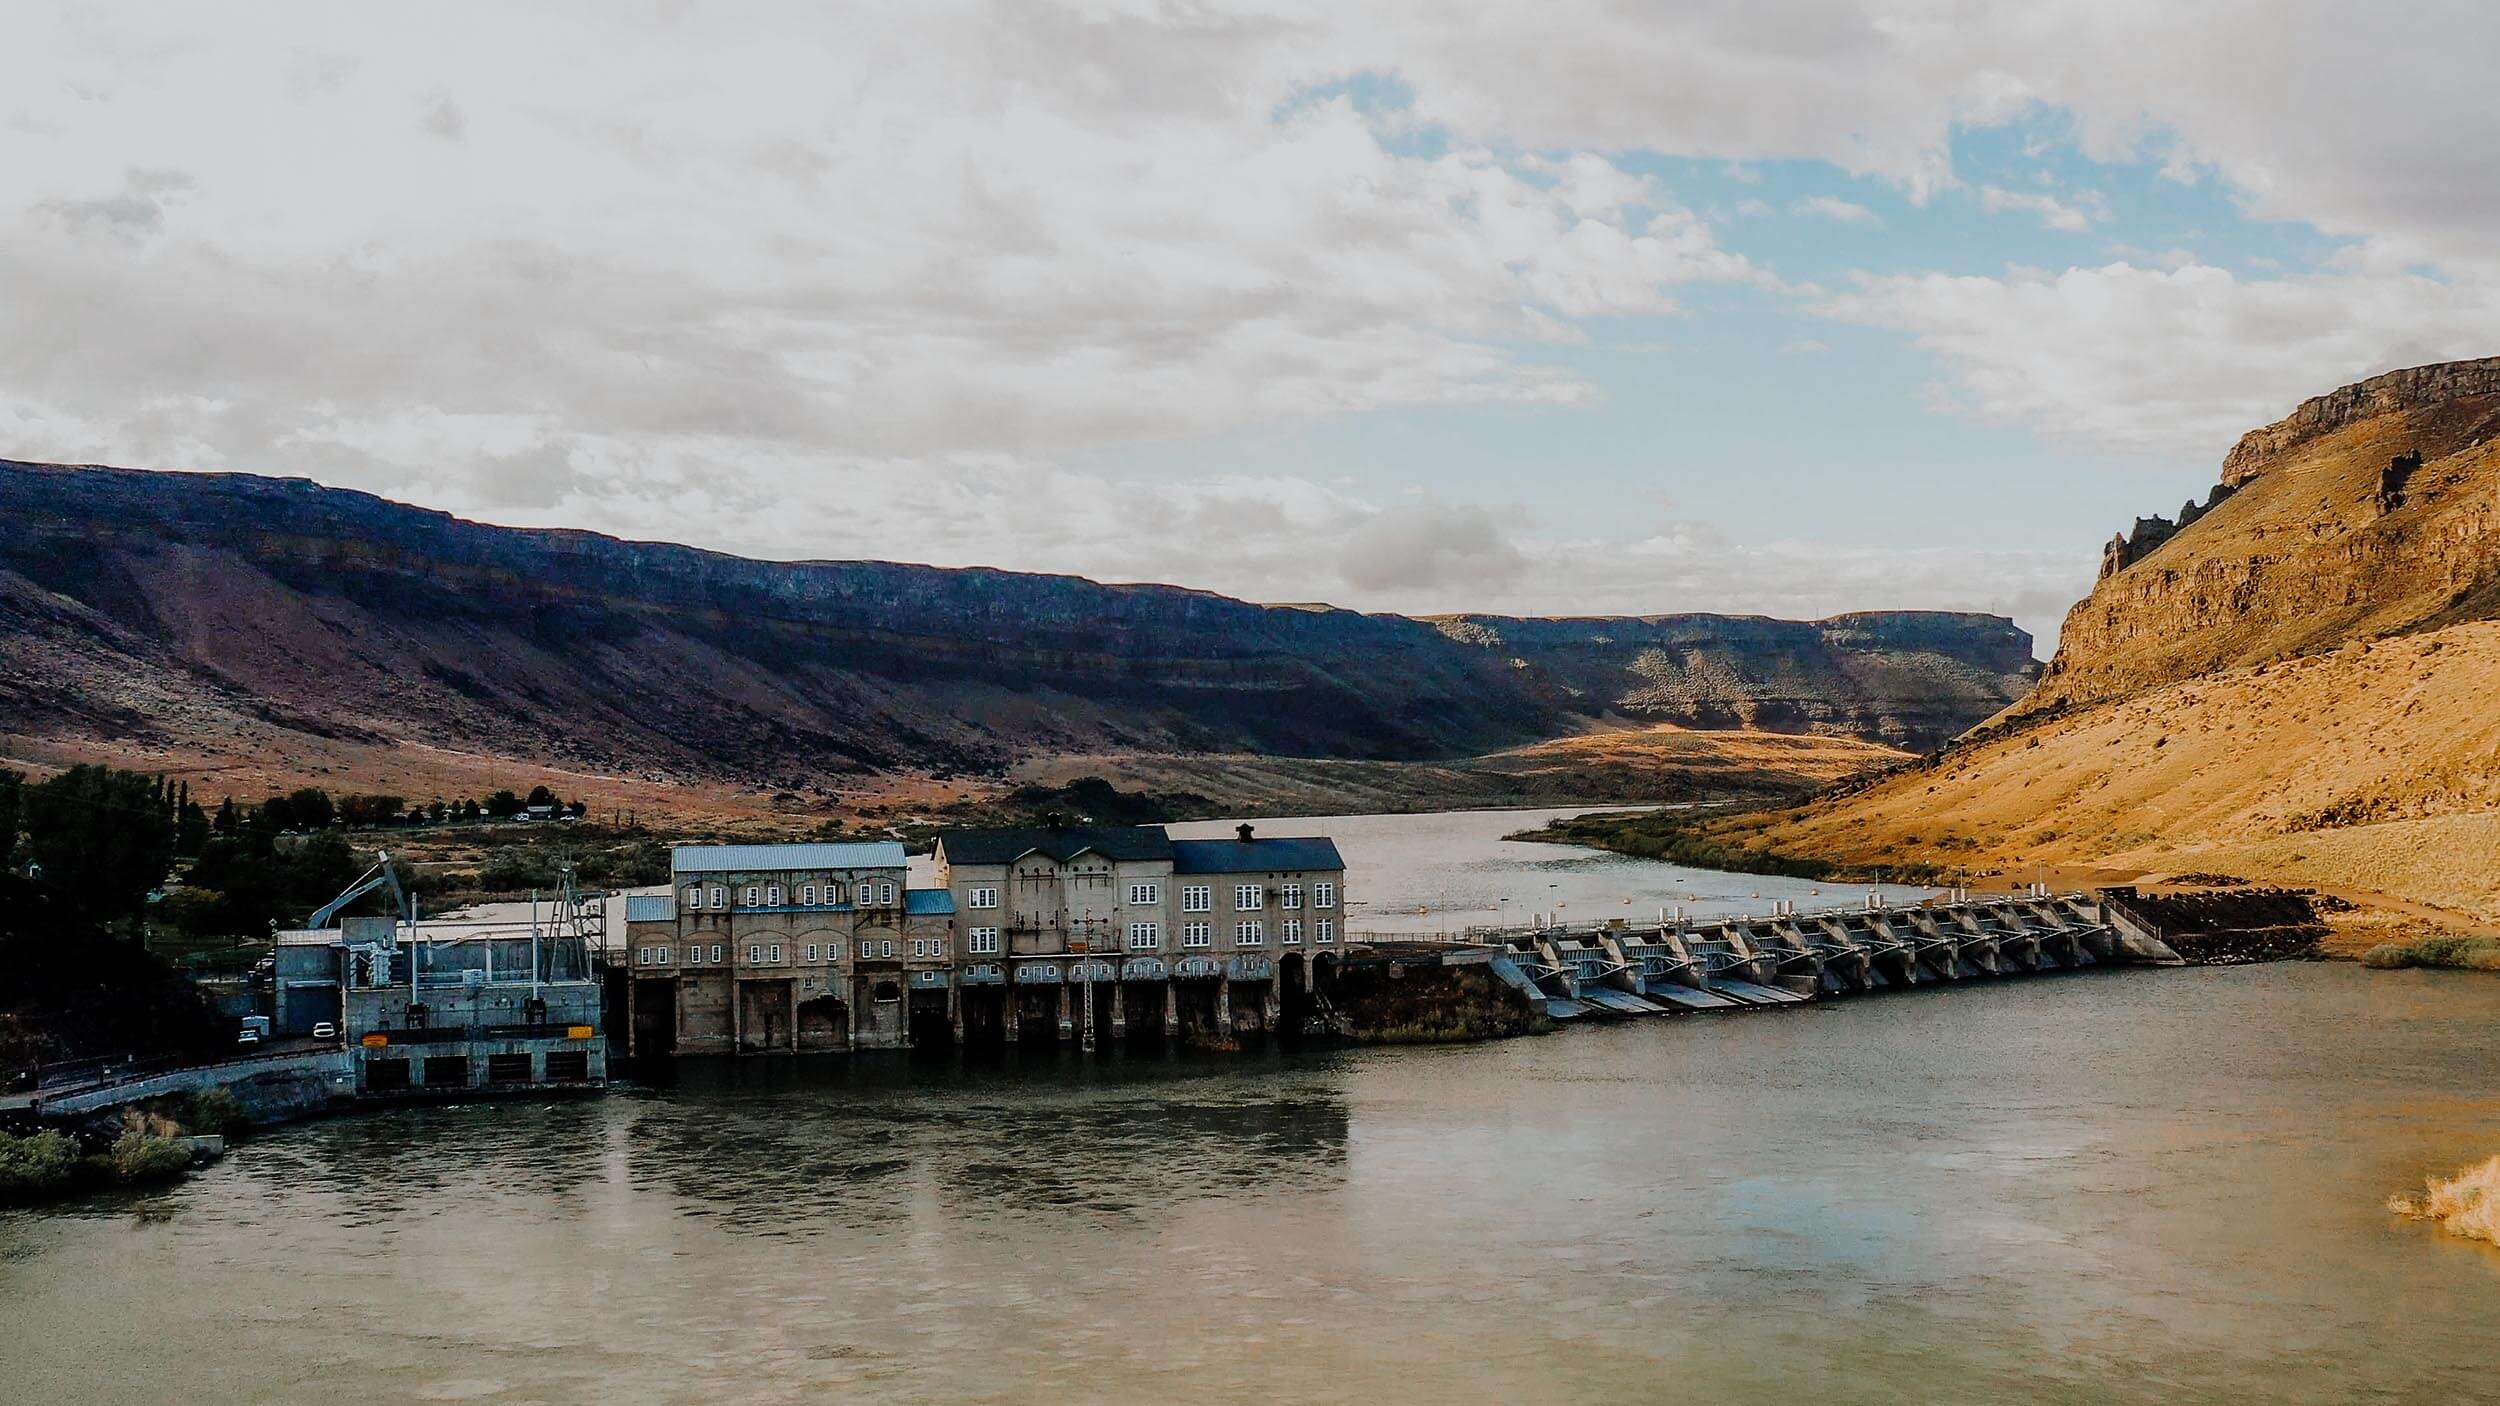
{"points": [[2129, 1186]]}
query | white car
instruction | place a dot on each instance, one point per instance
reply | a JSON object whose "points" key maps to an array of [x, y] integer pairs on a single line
{"points": [[325, 1031], [248, 1037]]}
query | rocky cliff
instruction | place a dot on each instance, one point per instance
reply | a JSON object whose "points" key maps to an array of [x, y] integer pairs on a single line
{"points": [[2293, 685], [196, 611], [2366, 512]]}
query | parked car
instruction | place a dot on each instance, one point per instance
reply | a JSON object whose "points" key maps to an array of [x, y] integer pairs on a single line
{"points": [[325, 1031], [249, 1036]]}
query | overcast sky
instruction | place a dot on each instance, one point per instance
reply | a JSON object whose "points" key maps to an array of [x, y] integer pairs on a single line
{"points": [[1563, 307]]}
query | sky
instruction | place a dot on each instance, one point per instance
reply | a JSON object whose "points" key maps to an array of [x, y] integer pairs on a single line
{"points": [[1557, 308]]}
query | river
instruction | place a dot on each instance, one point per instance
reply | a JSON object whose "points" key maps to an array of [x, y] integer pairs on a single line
{"points": [[2131, 1186]]}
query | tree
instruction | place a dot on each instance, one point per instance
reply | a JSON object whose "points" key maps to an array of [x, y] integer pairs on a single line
{"points": [[468, 809], [190, 828], [12, 807], [274, 815], [314, 810], [229, 822], [541, 796], [103, 840], [503, 805], [579, 809], [369, 810]]}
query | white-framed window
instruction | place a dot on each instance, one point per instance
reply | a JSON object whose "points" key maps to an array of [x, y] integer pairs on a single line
{"points": [[886, 948], [885, 895], [720, 896], [750, 896], [1323, 895], [772, 895], [1290, 896], [982, 942], [1252, 933], [867, 949], [1327, 931], [1197, 898], [833, 893], [755, 952], [807, 895], [694, 896], [1144, 937], [1249, 898], [776, 952], [717, 949], [642, 956], [1290, 934], [928, 947], [983, 898], [1139, 895], [811, 952], [1197, 934]]}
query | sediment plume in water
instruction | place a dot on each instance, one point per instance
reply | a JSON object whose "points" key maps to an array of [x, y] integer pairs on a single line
{"points": [[2466, 1204]]}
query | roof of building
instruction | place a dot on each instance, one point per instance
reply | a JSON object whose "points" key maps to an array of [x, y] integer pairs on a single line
{"points": [[1254, 856], [650, 907], [723, 859], [933, 903], [1059, 842]]}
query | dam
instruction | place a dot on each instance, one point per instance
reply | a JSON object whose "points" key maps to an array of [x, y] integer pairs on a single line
{"points": [[1786, 957]]}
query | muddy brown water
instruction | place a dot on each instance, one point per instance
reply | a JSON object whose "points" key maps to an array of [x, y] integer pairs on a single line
{"points": [[2117, 1187]]}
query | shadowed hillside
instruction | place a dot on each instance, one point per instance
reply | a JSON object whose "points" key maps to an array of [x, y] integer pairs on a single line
{"points": [[180, 619]]}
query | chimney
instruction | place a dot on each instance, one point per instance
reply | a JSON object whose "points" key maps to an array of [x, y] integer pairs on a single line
{"points": [[1243, 830]]}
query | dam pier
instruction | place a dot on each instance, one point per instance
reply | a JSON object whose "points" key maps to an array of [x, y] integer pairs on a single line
{"points": [[1787, 957]]}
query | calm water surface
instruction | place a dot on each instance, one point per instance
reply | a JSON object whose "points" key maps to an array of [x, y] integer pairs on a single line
{"points": [[2119, 1187]]}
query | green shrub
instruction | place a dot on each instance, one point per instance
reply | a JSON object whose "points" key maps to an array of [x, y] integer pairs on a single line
{"points": [[139, 1155], [37, 1164]]}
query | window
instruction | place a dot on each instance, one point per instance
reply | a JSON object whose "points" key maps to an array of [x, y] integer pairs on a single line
{"points": [[983, 898], [982, 942], [1323, 895], [1144, 937], [772, 895], [885, 895], [928, 947], [1197, 898], [1290, 896], [1291, 936], [1250, 934], [694, 896], [720, 896], [867, 950], [748, 898], [1139, 895], [1327, 931], [807, 895], [776, 952], [755, 953], [833, 893], [1249, 897], [886, 948], [811, 952], [1197, 934], [642, 956], [716, 951]]}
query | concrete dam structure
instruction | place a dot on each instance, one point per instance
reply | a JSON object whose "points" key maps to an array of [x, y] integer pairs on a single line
{"points": [[1787, 957]]}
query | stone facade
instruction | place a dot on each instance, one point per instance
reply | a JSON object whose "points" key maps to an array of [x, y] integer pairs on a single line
{"points": [[1055, 929]]}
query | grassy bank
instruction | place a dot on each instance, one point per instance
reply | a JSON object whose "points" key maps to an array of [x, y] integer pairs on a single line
{"points": [[136, 1146], [1713, 842], [2481, 954]]}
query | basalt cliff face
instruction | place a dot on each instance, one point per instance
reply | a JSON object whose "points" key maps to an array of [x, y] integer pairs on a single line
{"points": [[182, 616], [1912, 679], [2294, 684]]}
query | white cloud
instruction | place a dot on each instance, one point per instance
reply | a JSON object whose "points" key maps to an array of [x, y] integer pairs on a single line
{"points": [[2053, 212], [2167, 364], [1831, 207]]}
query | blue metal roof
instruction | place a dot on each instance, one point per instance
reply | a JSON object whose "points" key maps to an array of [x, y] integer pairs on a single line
{"points": [[1254, 856], [934, 903], [650, 908], [722, 859]]}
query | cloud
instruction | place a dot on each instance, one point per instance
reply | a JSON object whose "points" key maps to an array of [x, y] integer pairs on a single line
{"points": [[2053, 212], [1429, 548], [1832, 208], [2166, 364]]}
